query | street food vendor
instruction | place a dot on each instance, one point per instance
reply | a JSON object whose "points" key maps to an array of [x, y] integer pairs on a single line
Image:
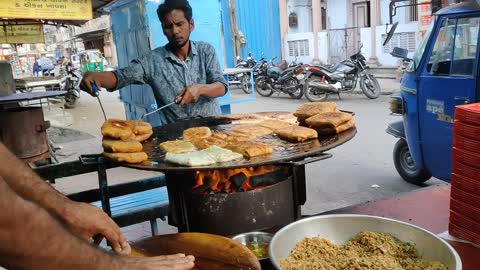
{"points": [[42, 229], [182, 68]]}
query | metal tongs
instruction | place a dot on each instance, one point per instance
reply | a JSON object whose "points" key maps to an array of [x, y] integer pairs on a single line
{"points": [[176, 101], [97, 95]]}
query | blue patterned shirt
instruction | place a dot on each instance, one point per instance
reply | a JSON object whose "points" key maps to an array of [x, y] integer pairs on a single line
{"points": [[168, 76]]}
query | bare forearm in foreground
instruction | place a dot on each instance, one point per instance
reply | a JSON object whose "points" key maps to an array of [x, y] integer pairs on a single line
{"points": [[85, 220], [32, 239], [28, 185]]}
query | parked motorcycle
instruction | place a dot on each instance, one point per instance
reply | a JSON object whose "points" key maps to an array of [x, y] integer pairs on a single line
{"points": [[243, 78], [323, 81], [72, 87], [273, 79]]}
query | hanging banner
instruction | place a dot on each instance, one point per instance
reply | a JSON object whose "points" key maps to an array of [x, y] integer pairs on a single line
{"points": [[21, 34], [47, 9]]}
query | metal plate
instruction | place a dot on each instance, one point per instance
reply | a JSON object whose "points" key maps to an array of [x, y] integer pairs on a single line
{"points": [[17, 97], [282, 151]]}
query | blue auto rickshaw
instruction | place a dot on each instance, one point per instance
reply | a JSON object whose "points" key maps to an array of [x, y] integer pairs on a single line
{"points": [[443, 73]]}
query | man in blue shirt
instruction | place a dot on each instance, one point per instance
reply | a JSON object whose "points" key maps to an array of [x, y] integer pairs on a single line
{"points": [[182, 68]]}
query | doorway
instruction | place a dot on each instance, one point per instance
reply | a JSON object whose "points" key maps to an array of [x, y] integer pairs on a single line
{"points": [[360, 11]]}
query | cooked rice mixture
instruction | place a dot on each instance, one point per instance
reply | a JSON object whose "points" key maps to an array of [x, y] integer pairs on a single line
{"points": [[367, 250]]}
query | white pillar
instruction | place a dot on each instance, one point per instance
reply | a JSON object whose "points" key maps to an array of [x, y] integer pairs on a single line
{"points": [[316, 13], [374, 19], [283, 9]]}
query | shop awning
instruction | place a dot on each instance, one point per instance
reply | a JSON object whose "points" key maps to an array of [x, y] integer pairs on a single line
{"points": [[97, 7]]}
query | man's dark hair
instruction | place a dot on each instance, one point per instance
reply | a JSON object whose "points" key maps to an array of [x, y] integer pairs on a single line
{"points": [[170, 5]]}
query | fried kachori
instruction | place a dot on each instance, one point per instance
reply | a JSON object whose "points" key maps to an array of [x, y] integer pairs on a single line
{"points": [[118, 146], [133, 158]]}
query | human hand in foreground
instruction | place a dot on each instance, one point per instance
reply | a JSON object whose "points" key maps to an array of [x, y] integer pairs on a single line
{"points": [[169, 262], [87, 221]]}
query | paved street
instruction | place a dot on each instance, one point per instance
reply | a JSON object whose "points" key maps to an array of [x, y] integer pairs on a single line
{"points": [[361, 170]]}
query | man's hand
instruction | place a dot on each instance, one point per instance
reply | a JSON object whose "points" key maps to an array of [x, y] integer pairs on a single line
{"points": [[88, 79], [169, 262], [100, 79], [191, 94], [87, 221]]}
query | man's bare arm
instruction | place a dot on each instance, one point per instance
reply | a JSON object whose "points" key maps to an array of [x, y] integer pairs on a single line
{"points": [[82, 219], [106, 80], [32, 239]]}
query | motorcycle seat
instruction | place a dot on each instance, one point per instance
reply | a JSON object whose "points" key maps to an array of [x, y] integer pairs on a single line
{"points": [[331, 68]]}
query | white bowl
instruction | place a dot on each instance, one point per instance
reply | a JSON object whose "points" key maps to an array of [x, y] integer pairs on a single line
{"points": [[341, 228]]}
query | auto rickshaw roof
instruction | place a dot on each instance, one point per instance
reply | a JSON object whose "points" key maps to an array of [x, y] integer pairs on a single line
{"points": [[464, 7]]}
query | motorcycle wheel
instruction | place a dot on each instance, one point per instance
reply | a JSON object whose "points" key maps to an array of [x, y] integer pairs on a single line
{"points": [[70, 100], [370, 86], [246, 85], [312, 94], [298, 94], [405, 166], [262, 87]]}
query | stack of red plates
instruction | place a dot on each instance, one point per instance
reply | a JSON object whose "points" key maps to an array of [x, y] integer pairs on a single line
{"points": [[465, 198]]}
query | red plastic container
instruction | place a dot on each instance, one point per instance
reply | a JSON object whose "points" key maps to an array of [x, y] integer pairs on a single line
{"points": [[465, 209], [468, 113], [464, 222], [464, 234], [466, 143], [465, 184], [466, 130], [465, 170], [466, 197], [466, 157]]}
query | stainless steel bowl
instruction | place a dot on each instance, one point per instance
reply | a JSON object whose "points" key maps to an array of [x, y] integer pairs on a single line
{"points": [[341, 228], [253, 237]]}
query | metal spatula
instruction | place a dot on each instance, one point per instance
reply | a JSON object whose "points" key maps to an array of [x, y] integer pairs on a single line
{"points": [[177, 101], [97, 94]]}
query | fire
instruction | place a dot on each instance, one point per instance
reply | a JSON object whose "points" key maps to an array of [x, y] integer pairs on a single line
{"points": [[221, 180]]}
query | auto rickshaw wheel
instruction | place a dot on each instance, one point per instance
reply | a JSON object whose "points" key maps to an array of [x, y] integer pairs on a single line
{"points": [[405, 165]]}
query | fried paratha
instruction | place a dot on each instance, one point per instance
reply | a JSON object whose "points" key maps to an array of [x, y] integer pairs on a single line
{"points": [[328, 120], [253, 130], [205, 143], [307, 110], [296, 134], [232, 137], [274, 124], [196, 133], [250, 149], [177, 146]]}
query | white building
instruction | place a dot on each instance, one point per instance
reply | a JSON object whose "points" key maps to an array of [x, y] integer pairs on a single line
{"points": [[328, 31]]}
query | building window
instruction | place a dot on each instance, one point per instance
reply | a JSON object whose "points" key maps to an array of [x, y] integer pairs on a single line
{"points": [[299, 48], [406, 40], [414, 11], [324, 18], [293, 20]]}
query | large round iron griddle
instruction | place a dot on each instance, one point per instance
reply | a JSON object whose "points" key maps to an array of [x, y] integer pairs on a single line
{"points": [[283, 151]]}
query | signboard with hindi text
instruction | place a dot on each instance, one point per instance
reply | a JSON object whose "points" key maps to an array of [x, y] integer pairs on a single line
{"points": [[47, 9], [21, 34]]}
